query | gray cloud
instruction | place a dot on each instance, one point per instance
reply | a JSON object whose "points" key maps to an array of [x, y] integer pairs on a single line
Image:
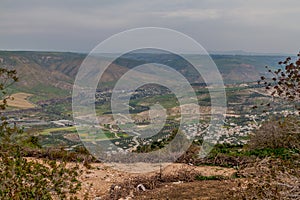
{"points": [[79, 25]]}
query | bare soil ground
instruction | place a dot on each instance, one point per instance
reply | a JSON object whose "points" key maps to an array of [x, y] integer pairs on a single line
{"points": [[97, 182], [210, 189]]}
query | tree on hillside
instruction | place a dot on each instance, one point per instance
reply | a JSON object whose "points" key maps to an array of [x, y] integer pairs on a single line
{"points": [[23, 178]]}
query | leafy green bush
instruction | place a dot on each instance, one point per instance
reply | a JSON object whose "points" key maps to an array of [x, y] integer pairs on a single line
{"points": [[24, 178]]}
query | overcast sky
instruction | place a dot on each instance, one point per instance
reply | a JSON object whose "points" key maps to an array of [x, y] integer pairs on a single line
{"points": [[79, 25]]}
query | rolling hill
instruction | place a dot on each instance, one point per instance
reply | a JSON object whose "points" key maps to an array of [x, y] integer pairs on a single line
{"points": [[51, 74]]}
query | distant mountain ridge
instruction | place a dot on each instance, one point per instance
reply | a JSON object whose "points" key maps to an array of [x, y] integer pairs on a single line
{"points": [[246, 53], [53, 73]]}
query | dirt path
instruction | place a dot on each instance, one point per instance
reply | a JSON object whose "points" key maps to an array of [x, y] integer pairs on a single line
{"points": [[134, 139]]}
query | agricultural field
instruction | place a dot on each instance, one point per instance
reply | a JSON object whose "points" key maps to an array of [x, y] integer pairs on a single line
{"points": [[20, 101], [60, 129]]}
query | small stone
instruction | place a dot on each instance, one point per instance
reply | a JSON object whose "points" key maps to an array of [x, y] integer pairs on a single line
{"points": [[141, 187], [178, 182]]}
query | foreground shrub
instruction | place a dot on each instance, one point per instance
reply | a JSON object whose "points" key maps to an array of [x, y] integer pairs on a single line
{"points": [[277, 133], [24, 179], [20, 177], [270, 178], [285, 81]]}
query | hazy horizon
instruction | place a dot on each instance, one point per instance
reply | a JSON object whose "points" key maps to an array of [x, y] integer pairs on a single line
{"points": [[78, 26], [211, 52]]}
